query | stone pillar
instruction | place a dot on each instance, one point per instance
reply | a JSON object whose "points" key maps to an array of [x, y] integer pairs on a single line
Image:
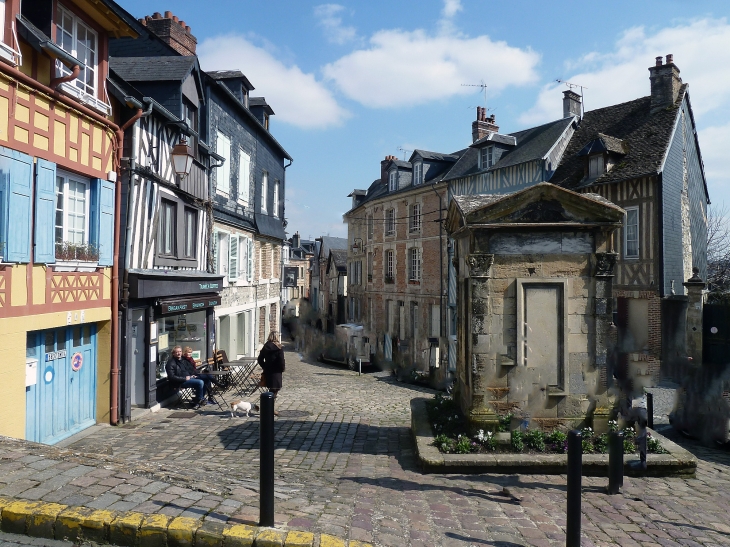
{"points": [[605, 338], [694, 287]]}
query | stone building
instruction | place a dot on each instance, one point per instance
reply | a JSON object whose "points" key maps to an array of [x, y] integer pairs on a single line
{"points": [[319, 287], [534, 276]]}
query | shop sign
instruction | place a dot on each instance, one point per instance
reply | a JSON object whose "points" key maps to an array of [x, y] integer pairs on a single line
{"points": [[183, 306], [53, 355]]}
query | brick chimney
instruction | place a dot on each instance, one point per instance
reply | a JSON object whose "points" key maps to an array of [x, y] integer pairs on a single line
{"points": [[483, 126], [171, 30], [296, 241], [665, 83], [571, 104], [383, 164]]}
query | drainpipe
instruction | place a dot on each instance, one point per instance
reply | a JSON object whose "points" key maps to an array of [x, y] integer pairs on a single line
{"points": [[114, 372], [75, 71], [441, 263]]}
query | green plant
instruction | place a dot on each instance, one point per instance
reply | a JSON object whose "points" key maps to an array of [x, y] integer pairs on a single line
{"points": [[612, 425], [76, 251], [556, 437], [504, 422], [629, 446], [463, 445], [600, 443], [443, 443], [517, 441], [487, 440], [587, 445], [586, 433], [654, 447], [535, 440]]}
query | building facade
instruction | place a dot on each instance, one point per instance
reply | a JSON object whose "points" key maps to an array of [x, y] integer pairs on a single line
{"points": [[59, 152]]}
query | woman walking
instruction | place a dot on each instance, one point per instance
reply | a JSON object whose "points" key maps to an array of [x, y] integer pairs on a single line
{"points": [[271, 359]]}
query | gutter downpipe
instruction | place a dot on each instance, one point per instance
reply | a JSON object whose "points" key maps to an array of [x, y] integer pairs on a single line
{"points": [[75, 71], [441, 262], [114, 410]]}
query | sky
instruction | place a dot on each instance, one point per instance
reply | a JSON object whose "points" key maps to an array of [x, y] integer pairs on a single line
{"points": [[353, 82]]}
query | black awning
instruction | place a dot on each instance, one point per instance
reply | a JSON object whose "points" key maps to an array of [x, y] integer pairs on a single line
{"points": [[172, 283], [270, 226], [187, 305]]}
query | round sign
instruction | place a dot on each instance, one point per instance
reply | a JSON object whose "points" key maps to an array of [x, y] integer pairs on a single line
{"points": [[48, 375], [713, 330], [76, 361]]}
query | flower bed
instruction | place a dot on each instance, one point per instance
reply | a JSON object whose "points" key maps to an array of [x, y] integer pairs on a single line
{"points": [[452, 437]]}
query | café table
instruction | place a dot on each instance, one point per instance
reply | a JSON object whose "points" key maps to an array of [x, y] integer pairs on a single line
{"points": [[245, 376]]}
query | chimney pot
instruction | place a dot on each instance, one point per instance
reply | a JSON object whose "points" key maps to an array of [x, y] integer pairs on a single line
{"points": [[142, 20], [659, 61], [176, 18], [182, 24], [670, 58], [156, 15], [665, 84], [187, 29], [168, 15]]}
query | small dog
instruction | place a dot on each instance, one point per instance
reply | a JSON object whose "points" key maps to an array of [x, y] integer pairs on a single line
{"points": [[243, 406]]}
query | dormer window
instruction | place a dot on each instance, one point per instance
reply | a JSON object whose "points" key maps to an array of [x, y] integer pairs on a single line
{"points": [[77, 39], [595, 166], [417, 173], [393, 181], [486, 157]]}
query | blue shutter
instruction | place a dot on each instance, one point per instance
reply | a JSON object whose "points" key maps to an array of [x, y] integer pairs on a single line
{"points": [[106, 223], [45, 212], [16, 174]]}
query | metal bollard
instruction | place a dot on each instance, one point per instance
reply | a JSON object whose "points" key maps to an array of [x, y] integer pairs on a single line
{"points": [[359, 367], [615, 462], [650, 410], [575, 472], [266, 471]]}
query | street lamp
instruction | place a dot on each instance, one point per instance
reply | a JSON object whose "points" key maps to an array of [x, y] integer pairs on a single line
{"points": [[355, 246], [182, 158]]}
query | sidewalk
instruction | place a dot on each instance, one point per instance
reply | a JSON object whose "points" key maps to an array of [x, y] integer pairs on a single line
{"points": [[345, 467]]}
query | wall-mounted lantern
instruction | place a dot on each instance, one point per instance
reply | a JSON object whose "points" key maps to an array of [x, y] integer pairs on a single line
{"points": [[182, 158]]}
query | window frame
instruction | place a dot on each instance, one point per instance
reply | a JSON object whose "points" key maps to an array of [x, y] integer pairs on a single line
{"points": [[371, 226], [178, 257], [415, 265], [264, 192], [414, 224], [223, 173], [187, 242], [68, 177], [486, 157], [389, 262], [275, 204], [63, 70], [164, 225], [418, 173], [598, 170], [632, 209], [244, 179], [390, 222], [392, 180]]}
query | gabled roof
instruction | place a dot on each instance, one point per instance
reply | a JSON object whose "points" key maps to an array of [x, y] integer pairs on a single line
{"points": [[338, 257], [328, 243], [260, 102], [532, 144], [604, 143], [400, 164], [154, 69], [434, 156], [645, 137], [230, 75]]}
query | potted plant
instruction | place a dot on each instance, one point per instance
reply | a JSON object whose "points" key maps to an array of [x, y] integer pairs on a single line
{"points": [[76, 252]]}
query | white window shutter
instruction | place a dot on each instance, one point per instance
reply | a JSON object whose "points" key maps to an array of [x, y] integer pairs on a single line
{"points": [[250, 259], [216, 268], [233, 258], [243, 257]]}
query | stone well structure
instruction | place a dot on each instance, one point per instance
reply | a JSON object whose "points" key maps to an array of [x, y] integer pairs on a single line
{"points": [[534, 272]]}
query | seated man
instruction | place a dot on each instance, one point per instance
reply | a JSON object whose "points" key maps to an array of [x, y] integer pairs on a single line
{"points": [[182, 373]]}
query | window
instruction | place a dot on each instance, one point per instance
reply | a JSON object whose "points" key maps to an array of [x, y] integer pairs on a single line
{"points": [[264, 191], [487, 157], [276, 199], [371, 227], [167, 227], [393, 181], [72, 214], [223, 173], [389, 266], [417, 173], [435, 321], [595, 166], [414, 319], [370, 267], [415, 218], [631, 233], [390, 222], [77, 39], [191, 232], [244, 176], [414, 273]]}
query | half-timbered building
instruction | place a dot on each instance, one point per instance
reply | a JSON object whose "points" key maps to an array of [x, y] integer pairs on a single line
{"points": [[168, 294], [59, 154], [644, 156]]}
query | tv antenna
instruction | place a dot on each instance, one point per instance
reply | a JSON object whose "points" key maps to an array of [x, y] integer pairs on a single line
{"points": [[572, 86], [482, 87], [404, 150]]}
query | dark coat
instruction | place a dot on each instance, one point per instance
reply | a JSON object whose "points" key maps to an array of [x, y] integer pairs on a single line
{"points": [[178, 369], [271, 359]]}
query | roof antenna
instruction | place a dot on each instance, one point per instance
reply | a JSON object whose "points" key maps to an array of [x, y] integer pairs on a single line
{"points": [[581, 87], [404, 150], [482, 86]]}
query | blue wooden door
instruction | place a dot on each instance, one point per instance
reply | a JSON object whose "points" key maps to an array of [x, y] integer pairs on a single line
{"points": [[63, 400]]}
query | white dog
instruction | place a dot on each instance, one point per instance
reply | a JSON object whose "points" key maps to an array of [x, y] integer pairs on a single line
{"points": [[243, 406]]}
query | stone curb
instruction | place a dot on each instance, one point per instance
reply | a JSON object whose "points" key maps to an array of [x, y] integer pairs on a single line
{"points": [[128, 529], [678, 463]]}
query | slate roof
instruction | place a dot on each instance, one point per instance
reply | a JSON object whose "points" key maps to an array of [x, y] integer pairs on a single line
{"points": [[532, 144], [153, 69], [645, 138], [339, 257], [328, 243], [435, 156]]}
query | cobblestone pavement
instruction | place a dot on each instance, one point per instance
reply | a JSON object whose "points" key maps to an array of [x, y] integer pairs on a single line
{"points": [[345, 466]]}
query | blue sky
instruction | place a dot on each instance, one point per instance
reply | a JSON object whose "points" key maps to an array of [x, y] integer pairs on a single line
{"points": [[352, 82]]}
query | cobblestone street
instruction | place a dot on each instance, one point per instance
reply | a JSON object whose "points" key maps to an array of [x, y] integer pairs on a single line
{"points": [[345, 466]]}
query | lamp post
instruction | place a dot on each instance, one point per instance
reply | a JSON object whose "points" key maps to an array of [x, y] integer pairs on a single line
{"points": [[182, 158]]}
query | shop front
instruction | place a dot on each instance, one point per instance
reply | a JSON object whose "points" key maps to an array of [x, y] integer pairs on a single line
{"points": [[166, 309]]}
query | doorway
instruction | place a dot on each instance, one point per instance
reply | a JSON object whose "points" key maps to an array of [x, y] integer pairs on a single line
{"points": [[138, 379]]}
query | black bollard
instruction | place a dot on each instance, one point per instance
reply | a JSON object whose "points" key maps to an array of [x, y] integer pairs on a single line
{"points": [[650, 410], [575, 472], [615, 462], [266, 441]]}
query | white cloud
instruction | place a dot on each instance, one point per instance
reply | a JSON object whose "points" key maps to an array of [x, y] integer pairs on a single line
{"points": [[451, 8], [296, 97], [714, 142], [623, 75], [330, 20], [402, 68]]}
